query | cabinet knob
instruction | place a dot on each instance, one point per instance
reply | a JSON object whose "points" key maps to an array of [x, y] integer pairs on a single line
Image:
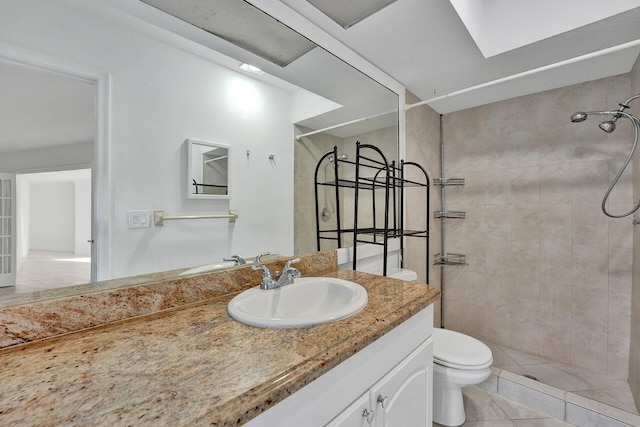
{"points": [[382, 400], [368, 415]]}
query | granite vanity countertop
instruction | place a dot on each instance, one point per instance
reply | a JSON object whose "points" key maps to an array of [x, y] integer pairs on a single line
{"points": [[189, 365]]}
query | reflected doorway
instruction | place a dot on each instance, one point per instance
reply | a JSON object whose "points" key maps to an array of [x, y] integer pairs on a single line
{"points": [[49, 123], [54, 229]]}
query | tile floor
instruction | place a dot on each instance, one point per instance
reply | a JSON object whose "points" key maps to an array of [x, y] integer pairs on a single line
{"points": [[485, 409], [49, 270], [601, 388]]}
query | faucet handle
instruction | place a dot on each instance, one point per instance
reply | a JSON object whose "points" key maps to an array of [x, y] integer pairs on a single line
{"points": [[261, 255], [264, 268], [236, 258], [292, 272], [291, 261]]}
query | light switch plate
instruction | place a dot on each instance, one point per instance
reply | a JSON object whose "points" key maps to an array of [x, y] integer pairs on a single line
{"points": [[139, 219]]}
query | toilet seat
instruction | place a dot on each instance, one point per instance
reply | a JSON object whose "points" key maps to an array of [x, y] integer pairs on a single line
{"points": [[458, 351]]}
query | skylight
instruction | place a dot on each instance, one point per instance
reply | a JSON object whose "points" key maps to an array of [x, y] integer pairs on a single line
{"points": [[498, 26]]}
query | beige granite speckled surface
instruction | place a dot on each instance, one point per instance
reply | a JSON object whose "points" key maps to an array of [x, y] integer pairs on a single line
{"points": [[43, 319], [192, 364]]}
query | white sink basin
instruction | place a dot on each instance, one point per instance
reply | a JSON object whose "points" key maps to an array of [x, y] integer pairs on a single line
{"points": [[308, 301]]}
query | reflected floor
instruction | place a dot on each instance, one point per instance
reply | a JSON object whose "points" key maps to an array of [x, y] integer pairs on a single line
{"points": [[49, 270], [486, 409], [601, 388]]}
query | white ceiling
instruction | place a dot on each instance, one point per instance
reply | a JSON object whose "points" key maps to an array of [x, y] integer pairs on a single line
{"points": [[422, 44], [59, 176], [41, 109], [425, 45]]}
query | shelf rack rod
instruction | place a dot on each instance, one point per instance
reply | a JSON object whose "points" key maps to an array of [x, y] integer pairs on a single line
{"points": [[159, 217]]}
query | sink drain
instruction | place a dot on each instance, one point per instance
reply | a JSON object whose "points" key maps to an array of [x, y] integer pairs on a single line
{"points": [[531, 377]]}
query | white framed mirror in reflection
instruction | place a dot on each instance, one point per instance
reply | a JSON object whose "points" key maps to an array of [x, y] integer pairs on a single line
{"points": [[208, 170]]}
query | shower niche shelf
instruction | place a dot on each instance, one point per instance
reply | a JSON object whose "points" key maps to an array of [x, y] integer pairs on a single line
{"points": [[449, 214], [449, 259], [448, 181]]}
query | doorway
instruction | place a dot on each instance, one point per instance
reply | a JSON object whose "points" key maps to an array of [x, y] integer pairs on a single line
{"points": [[53, 211], [49, 123]]}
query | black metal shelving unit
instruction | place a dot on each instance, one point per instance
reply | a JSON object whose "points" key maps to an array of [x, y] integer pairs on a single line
{"points": [[375, 182]]}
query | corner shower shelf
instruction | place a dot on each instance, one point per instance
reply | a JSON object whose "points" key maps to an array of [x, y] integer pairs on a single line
{"points": [[448, 181], [449, 214], [449, 259]]}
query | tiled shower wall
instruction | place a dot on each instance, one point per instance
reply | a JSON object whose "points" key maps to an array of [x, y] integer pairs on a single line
{"points": [[548, 273], [423, 147]]}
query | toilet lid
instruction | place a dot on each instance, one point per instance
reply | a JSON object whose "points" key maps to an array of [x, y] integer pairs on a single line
{"points": [[460, 351]]}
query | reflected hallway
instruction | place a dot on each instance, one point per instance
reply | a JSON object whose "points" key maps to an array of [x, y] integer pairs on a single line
{"points": [[49, 270]]}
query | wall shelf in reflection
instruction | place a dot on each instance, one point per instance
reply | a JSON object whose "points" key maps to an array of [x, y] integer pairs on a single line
{"points": [[449, 214], [449, 259], [448, 181]]}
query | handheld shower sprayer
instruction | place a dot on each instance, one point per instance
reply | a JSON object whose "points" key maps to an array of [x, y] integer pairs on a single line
{"points": [[329, 208], [610, 126], [340, 157]]}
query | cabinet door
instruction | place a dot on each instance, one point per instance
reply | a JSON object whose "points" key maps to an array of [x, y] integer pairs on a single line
{"points": [[355, 415], [402, 397]]}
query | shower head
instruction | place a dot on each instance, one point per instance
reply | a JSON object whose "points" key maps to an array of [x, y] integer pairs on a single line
{"points": [[340, 157], [608, 126], [579, 116]]}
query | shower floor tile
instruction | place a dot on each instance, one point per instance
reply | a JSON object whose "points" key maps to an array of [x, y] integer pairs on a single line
{"points": [[486, 409], [601, 388]]}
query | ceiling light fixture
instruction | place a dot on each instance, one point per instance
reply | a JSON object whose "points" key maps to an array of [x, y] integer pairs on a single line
{"points": [[251, 69]]}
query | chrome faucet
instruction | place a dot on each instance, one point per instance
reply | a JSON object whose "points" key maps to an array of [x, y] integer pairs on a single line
{"points": [[286, 277], [237, 259]]}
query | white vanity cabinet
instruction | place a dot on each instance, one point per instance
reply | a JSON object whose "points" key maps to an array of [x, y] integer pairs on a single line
{"points": [[398, 368], [400, 398]]}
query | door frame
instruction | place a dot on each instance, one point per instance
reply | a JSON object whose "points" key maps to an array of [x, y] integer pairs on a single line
{"points": [[100, 193]]}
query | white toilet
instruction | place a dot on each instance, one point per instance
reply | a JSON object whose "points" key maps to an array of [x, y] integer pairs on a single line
{"points": [[458, 361]]}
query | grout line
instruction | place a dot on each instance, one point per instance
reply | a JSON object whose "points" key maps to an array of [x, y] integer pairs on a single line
{"points": [[566, 397]]}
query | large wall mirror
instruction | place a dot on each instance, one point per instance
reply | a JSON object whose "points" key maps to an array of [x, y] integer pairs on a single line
{"points": [[323, 92]]}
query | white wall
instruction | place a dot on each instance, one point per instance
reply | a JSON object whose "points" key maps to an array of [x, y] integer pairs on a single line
{"points": [[160, 96], [52, 219]]}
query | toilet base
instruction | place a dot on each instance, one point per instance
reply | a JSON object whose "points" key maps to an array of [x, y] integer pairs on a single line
{"points": [[448, 407]]}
